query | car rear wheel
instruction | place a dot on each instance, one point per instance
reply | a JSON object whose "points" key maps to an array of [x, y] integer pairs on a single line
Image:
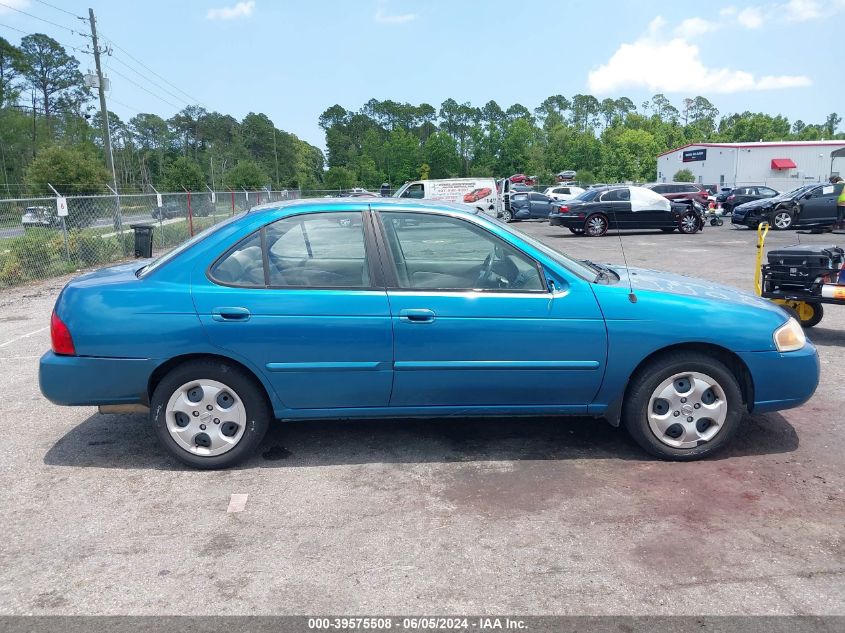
{"points": [[689, 223], [683, 406], [781, 220], [209, 414], [576, 231], [595, 225], [507, 216]]}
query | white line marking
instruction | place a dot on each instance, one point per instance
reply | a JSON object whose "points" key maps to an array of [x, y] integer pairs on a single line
{"points": [[237, 503], [17, 338]]}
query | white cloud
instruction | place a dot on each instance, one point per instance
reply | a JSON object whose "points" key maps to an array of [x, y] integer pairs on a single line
{"points": [[240, 10], [727, 11], [803, 10], [692, 27], [674, 65], [384, 18], [13, 4], [750, 18]]}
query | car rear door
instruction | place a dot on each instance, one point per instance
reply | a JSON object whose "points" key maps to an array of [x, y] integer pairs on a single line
{"points": [[465, 339], [540, 206], [301, 300]]}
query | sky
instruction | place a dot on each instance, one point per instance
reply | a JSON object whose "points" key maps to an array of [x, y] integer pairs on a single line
{"points": [[293, 59]]}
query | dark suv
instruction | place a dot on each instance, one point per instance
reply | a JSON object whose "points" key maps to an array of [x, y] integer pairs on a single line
{"points": [[746, 193], [680, 190]]}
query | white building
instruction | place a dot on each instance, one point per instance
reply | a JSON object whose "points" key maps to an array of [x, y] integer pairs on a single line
{"points": [[780, 165]]}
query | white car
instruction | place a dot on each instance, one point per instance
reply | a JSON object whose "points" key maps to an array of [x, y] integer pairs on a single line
{"points": [[563, 192]]}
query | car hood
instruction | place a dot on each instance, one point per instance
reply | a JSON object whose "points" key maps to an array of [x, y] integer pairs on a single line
{"points": [[681, 285]]}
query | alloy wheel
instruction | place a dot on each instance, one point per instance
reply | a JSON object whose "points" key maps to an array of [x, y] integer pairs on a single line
{"points": [[596, 226], [782, 220]]}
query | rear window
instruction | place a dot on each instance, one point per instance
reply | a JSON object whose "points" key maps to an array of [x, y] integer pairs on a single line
{"points": [[587, 196]]}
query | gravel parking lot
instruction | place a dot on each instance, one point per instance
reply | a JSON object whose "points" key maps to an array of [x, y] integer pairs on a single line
{"points": [[537, 516]]}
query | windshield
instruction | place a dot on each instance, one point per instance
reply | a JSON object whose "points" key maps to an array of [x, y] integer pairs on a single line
{"points": [[794, 192], [163, 259]]}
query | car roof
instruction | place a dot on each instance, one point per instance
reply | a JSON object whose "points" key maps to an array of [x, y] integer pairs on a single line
{"points": [[385, 204]]}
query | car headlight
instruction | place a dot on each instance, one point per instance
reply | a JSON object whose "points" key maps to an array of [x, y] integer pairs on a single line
{"points": [[790, 337]]}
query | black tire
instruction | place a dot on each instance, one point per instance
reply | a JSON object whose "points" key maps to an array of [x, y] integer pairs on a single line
{"points": [[596, 225], [245, 386], [689, 223], [507, 216], [647, 379], [576, 231], [668, 230], [815, 319]]}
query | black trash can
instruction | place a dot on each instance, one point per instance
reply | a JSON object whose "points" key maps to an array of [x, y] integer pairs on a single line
{"points": [[143, 240]]}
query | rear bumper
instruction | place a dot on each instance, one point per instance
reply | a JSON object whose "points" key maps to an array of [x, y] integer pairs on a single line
{"points": [[89, 381], [568, 222], [782, 381]]}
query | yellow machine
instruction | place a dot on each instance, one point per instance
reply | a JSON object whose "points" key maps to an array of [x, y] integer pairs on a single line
{"points": [[808, 312]]}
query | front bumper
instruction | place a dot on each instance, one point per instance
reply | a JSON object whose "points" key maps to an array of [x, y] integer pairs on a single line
{"points": [[85, 380], [782, 380]]}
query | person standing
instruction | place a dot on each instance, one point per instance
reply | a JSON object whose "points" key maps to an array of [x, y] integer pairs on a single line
{"points": [[840, 205]]}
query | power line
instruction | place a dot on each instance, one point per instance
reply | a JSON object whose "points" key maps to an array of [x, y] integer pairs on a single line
{"points": [[159, 97], [53, 6], [143, 65], [78, 50], [146, 78], [35, 17]]}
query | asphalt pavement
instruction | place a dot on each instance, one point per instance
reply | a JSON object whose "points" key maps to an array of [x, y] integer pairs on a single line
{"points": [[491, 516]]}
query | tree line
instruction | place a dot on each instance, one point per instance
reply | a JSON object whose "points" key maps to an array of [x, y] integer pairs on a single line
{"points": [[612, 140], [50, 131]]}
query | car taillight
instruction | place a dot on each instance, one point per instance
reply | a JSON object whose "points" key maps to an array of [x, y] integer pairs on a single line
{"points": [[60, 337], [731, 197], [563, 209]]}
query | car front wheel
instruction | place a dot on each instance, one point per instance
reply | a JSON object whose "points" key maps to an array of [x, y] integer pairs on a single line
{"points": [[507, 216], [688, 223], [209, 414], [683, 406], [781, 219]]}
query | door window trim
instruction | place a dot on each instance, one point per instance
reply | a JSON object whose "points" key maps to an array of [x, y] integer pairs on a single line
{"points": [[371, 257], [391, 275]]}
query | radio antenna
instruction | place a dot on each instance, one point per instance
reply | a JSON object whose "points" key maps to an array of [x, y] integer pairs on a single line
{"points": [[631, 296]]}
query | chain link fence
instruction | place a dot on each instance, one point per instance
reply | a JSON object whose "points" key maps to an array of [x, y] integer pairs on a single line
{"points": [[37, 243]]}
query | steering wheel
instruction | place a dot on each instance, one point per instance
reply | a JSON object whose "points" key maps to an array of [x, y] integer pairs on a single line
{"points": [[485, 276]]}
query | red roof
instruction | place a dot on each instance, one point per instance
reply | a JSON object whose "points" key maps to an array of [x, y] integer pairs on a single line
{"points": [[783, 163]]}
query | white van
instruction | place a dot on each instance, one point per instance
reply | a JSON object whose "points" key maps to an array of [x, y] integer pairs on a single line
{"points": [[478, 192]]}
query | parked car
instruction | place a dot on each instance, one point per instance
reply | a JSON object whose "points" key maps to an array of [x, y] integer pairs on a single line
{"points": [[746, 193], [596, 210], [40, 217], [722, 195], [672, 190], [563, 192], [200, 207], [807, 205], [522, 179], [566, 175], [527, 205], [285, 313]]}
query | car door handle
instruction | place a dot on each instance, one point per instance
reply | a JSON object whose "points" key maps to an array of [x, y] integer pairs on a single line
{"points": [[417, 315], [230, 314]]}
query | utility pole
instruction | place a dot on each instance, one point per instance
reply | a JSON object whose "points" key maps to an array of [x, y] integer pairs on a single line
{"points": [[275, 155], [104, 116]]}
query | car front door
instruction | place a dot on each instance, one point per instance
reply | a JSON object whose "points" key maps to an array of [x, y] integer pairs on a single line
{"points": [[475, 323], [818, 206], [616, 204], [300, 300]]}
